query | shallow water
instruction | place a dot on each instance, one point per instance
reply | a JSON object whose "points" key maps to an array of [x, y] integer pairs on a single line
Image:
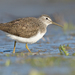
{"points": [[46, 48]]}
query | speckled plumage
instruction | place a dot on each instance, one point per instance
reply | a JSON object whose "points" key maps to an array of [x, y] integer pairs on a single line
{"points": [[23, 27]]}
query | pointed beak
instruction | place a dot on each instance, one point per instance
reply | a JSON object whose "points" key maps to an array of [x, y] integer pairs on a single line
{"points": [[57, 24]]}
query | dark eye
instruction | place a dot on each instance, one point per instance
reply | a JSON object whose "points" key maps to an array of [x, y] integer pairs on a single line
{"points": [[46, 18]]}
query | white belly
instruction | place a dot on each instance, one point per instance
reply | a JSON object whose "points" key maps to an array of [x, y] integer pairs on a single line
{"points": [[26, 40]]}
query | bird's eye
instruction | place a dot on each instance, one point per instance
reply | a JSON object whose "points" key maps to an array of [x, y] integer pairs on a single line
{"points": [[46, 18]]}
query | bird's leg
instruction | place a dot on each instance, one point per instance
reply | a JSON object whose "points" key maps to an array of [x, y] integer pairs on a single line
{"points": [[27, 48], [14, 47]]}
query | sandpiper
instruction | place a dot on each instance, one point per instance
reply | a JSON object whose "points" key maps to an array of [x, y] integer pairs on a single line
{"points": [[27, 30]]}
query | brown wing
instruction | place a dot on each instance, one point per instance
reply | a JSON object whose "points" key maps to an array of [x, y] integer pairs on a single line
{"points": [[25, 27]]}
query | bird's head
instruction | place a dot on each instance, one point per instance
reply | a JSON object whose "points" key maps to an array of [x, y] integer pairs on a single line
{"points": [[47, 20]]}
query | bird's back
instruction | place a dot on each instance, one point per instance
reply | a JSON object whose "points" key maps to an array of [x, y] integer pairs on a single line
{"points": [[23, 27]]}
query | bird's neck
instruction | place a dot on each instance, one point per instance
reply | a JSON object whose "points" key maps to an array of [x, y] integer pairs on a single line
{"points": [[43, 28]]}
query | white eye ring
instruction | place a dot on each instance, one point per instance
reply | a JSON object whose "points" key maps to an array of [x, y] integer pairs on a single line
{"points": [[46, 18]]}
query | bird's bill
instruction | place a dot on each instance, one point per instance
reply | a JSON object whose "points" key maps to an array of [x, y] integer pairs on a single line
{"points": [[56, 24]]}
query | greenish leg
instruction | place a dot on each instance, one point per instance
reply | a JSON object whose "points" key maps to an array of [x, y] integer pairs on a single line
{"points": [[14, 47], [27, 48]]}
